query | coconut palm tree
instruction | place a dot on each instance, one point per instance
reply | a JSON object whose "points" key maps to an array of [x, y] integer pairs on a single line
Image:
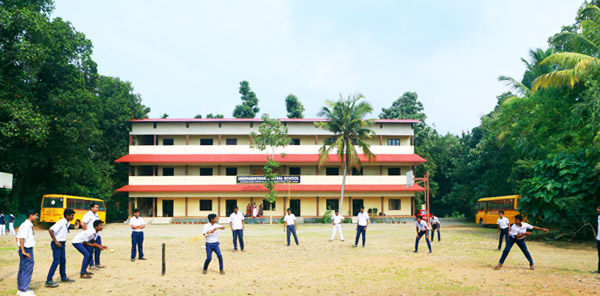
{"points": [[350, 131]]}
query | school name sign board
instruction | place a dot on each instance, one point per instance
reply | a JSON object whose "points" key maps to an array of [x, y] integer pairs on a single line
{"points": [[262, 179]]}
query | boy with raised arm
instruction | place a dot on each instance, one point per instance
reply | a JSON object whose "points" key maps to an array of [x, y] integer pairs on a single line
{"points": [[518, 232], [58, 233], [83, 242], [212, 242]]}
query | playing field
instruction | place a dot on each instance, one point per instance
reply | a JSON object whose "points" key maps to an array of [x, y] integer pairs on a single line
{"points": [[462, 264]]}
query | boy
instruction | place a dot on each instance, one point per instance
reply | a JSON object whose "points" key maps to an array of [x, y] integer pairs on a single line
{"points": [[421, 231], [83, 242], [435, 225], [87, 222], [212, 242], [2, 224], [598, 239], [361, 226], [337, 220], [26, 242], [517, 235], [289, 225], [137, 225], [502, 232], [11, 224], [58, 233], [236, 223]]}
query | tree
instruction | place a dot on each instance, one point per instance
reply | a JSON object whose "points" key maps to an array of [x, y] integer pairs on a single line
{"points": [[249, 106], [165, 115], [406, 106], [198, 116], [350, 130], [210, 115], [294, 108]]}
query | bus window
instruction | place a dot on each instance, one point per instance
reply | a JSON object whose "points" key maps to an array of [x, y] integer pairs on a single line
{"points": [[53, 202], [101, 206]]}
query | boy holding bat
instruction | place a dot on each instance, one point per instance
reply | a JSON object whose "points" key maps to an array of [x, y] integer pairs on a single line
{"points": [[212, 242]]}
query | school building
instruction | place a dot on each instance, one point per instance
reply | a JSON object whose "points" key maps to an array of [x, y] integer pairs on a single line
{"points": [[189, 168]]}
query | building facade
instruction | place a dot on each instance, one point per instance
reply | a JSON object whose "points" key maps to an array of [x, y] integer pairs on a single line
{"points": [[194, 167]]}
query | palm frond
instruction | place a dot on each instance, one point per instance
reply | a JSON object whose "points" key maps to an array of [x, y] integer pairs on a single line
{"points": [[565, 59], [555, 79], [578, 41], [515, 85]]}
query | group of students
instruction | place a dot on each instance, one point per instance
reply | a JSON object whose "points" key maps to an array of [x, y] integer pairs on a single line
{"points": [[11, 224]]}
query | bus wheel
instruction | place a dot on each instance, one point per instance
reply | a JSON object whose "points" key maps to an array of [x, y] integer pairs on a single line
{"points": [[480, 223], [76, 225]]}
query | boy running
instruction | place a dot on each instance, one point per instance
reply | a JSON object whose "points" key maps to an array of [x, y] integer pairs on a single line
{"points": [[26, 242], [517, 235], [212, 242], [137, 225], [83, 242], [503, 224], [337, 220], [421, 231], [58, 233]]}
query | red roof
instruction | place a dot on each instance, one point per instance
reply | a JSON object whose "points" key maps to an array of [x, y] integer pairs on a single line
{"points": [[259, 120], [259, 158], [261, 188]]}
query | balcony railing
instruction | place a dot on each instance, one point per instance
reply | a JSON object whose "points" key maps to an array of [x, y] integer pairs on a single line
{"points": [[245, 149], [231, 180]]}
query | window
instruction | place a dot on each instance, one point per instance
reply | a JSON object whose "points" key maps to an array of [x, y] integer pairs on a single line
{"points": [[332, 171], [295, 142], [394, 171], [168, 172], [231, 171], [356, 172], [206, 171], [394, 204], [231, 141], [267, 206], [505, 204], [53, 202], [295, 171], [168, 142], [332, 204], [205, 142], [206, 205], [393, 142], [78, 204]]}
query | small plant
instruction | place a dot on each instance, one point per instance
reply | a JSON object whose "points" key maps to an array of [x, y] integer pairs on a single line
{"points": [[456, 214], [326, 217]]}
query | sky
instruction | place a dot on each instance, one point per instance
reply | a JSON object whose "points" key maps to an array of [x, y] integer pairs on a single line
{"points": [[188, 57]]}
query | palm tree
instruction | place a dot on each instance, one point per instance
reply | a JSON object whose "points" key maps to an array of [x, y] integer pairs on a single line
{"points": [[350, 130]]}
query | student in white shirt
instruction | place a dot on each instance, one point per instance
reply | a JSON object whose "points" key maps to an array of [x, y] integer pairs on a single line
{"points": [[422, 229], [337, 221], [361, 226], [87, 222], [517, 235], [236, 223], [212, 242], [58, 233], [289, 226], [435, 225], [598, 239], [2, 224], [503, 224], [87, 239], [26, 242], [11, 224], [137, 225]]}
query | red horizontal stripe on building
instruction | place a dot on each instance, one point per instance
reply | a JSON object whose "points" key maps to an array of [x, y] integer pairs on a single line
{"points": [[260, 158], [261, 188]]}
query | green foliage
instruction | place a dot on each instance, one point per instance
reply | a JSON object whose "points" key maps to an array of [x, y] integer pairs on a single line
{"points": [[294, 108], [327, 217], [198, 116], [249, 106], [406, 106], [210, 115], [165, 115]]}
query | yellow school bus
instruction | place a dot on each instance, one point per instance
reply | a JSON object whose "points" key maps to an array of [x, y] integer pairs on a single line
{"points": [[54, 205], [488, 208]]}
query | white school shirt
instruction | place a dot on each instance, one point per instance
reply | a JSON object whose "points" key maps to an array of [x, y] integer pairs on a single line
{"points": [[85, 236], [236, 220], [362, 218], [434, 220], [290, 219], [26, 232], [503, 222], [89, 219], [213, 237], [337, 219], [61, 229], [422, 225], [516, 230], [133, 221], [598, 237]]}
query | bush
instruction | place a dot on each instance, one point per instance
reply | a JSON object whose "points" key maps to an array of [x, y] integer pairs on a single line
{"points": [[326, 217]]}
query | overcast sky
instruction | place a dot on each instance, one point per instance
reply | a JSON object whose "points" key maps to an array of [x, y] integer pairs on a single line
{"points": [[188, 57]]}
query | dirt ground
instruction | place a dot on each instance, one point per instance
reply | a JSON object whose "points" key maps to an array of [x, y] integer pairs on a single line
{"points": [[462, 264]]}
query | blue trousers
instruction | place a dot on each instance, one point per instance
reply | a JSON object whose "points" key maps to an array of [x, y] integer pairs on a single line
{"points": [[137, 239], [510, 241], [59, 258], [95, 252], [598, 247], [87, 256], [25, 270], [238, 234], [434, 228], [503, 234], [360, 230], [213, 247], [419, 236], [291, 229]]}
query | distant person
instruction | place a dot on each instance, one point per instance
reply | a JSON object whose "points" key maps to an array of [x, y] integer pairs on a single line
{"points": [[289, 226], [58, 233], [88, 222], [254, 211], [236, 223], [502, 232], [26, 242], [517, 235], [361, 226], [260, 210], [2, 224], [435, 225], [85, 240], [137, 225], [422, 229], [212, 242], [598, 239], [248, 210], [336, 221], [11, 224]]}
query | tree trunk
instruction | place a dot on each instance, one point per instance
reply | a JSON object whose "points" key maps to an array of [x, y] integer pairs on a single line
{"points": [[343, 185]]}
